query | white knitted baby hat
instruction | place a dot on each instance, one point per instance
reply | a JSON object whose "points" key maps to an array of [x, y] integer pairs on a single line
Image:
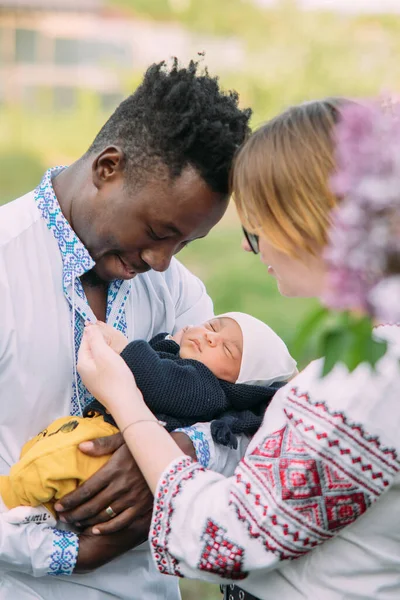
{"points": [[265, 357]]}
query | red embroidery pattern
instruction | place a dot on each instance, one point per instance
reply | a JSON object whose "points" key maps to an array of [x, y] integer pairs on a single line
{"points": [[220, 555], [180, 471], [309, 479]]}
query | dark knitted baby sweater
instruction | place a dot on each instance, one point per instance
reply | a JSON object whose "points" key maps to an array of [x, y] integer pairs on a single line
{"points": [[183, 391]]}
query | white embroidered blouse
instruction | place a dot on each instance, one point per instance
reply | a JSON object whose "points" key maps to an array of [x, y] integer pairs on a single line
{"points": [[313, 508]]}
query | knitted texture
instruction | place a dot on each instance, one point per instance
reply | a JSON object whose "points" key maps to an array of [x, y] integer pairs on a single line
{"points": [[183, 392]]}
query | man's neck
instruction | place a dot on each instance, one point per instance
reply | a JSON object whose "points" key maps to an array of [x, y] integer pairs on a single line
{"points": [[91, 279], [64, 186]]}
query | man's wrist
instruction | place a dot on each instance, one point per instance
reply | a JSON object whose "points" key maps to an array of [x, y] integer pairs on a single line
{"points": [[185, 444], [97, 550]]}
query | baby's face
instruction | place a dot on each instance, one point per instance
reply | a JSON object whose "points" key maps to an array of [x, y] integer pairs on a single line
{"points": [[218, 344]]}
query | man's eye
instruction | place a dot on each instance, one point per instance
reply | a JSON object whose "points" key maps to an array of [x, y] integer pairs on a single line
{"points": [[228, 351], [154, 236], [212, 326]]}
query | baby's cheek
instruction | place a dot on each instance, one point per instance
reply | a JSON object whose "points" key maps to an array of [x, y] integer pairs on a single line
{"points": [[177, 337]]}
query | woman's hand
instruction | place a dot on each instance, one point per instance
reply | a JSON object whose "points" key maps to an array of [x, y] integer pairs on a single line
{"points": [[114, 338], [103, 371]]}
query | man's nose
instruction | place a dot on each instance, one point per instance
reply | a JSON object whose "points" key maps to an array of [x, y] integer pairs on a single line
{"points": [[158, 259]]}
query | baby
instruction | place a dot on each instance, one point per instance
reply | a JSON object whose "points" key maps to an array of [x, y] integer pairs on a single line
{"points": [[222, 370]]}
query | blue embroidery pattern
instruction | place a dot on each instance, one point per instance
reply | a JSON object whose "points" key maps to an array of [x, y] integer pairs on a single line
{"points": [[65, 553], [122, 288], [76, 261], [200, 443]]}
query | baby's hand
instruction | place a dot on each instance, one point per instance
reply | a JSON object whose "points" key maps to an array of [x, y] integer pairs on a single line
{"points": [[114, 338]]}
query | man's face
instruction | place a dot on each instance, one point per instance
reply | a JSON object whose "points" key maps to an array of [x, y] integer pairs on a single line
{"points": [[132, 231]]}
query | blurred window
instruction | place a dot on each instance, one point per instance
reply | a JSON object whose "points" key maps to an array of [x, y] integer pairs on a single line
{"points": [[66, 52], [25, 46], [74, 52], [118, 55]]}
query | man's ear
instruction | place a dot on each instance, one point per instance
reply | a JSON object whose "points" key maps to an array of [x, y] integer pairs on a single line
{"points": [[108, 165]]}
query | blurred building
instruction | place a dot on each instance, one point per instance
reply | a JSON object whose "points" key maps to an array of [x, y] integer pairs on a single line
{"points": [[52, 50]]}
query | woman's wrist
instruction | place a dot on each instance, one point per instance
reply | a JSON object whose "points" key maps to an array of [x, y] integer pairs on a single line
{"points": [[125, 414], [121, 401]]}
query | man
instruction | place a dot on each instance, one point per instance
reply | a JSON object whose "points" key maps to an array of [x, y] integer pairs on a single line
{"points": [[96, 240]]}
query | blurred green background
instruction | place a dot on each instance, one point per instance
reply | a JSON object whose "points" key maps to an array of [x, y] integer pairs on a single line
{"points": [[286, 56]]}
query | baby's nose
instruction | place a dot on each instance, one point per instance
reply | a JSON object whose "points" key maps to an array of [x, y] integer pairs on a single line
{"points": [[212, 338]]}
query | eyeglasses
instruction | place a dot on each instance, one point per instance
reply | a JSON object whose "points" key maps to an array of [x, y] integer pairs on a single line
{"points": [[252, 240]]}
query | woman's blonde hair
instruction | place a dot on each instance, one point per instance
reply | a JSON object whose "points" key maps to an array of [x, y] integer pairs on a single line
{"points": [[281, 177]]}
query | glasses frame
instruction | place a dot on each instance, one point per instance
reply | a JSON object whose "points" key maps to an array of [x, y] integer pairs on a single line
{"points": [[253, 241]]}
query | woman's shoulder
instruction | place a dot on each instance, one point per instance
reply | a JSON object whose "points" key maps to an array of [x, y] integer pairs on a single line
{"points": [[365, 400]]}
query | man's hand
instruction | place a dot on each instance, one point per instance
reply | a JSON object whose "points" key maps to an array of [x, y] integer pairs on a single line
{"points": [[119, 485], [97, 550]]}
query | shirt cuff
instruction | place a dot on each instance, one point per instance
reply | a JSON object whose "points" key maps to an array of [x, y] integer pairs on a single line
{"points": [[199, 438], [169, 487], [64, 553]]}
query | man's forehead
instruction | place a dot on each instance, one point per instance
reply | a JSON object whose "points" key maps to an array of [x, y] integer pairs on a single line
{"points": [[186, 220]]}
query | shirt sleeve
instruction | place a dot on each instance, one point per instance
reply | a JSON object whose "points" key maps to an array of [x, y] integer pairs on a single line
{"points": [[211, 455], [192, 303], [37, 549], [310, 471]]}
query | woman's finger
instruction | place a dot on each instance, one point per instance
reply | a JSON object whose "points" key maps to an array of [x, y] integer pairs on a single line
{"points": [[85, 356], [98, 346]]}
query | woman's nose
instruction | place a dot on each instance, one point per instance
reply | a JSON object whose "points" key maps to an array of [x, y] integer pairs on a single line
{"points": [[245, 245]]}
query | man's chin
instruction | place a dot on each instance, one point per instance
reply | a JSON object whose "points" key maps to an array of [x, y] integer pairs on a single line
{"points": [[104, 275]]}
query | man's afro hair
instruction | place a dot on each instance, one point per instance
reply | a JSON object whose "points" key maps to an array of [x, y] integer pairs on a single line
{"points": [[178, 117]]}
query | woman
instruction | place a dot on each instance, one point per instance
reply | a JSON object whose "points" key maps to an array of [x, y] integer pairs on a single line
{"points": [[327, 449]]}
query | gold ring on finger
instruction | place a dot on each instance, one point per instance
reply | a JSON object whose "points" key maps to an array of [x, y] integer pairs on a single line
{"points": [[110, 512]]}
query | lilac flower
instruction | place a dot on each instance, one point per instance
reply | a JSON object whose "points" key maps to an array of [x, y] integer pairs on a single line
{"points": [[363, 252], [385, 300]]}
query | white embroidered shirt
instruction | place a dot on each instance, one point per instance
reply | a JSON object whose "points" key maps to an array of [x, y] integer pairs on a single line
{"points": [[312, 510]]}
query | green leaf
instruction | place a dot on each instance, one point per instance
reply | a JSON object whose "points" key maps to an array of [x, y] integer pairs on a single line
{"points": [[350, 341], [308, 328], [335, 345]]}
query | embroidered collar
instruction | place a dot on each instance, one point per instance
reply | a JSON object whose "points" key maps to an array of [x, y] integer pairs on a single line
{"points": [[76, 258]]}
